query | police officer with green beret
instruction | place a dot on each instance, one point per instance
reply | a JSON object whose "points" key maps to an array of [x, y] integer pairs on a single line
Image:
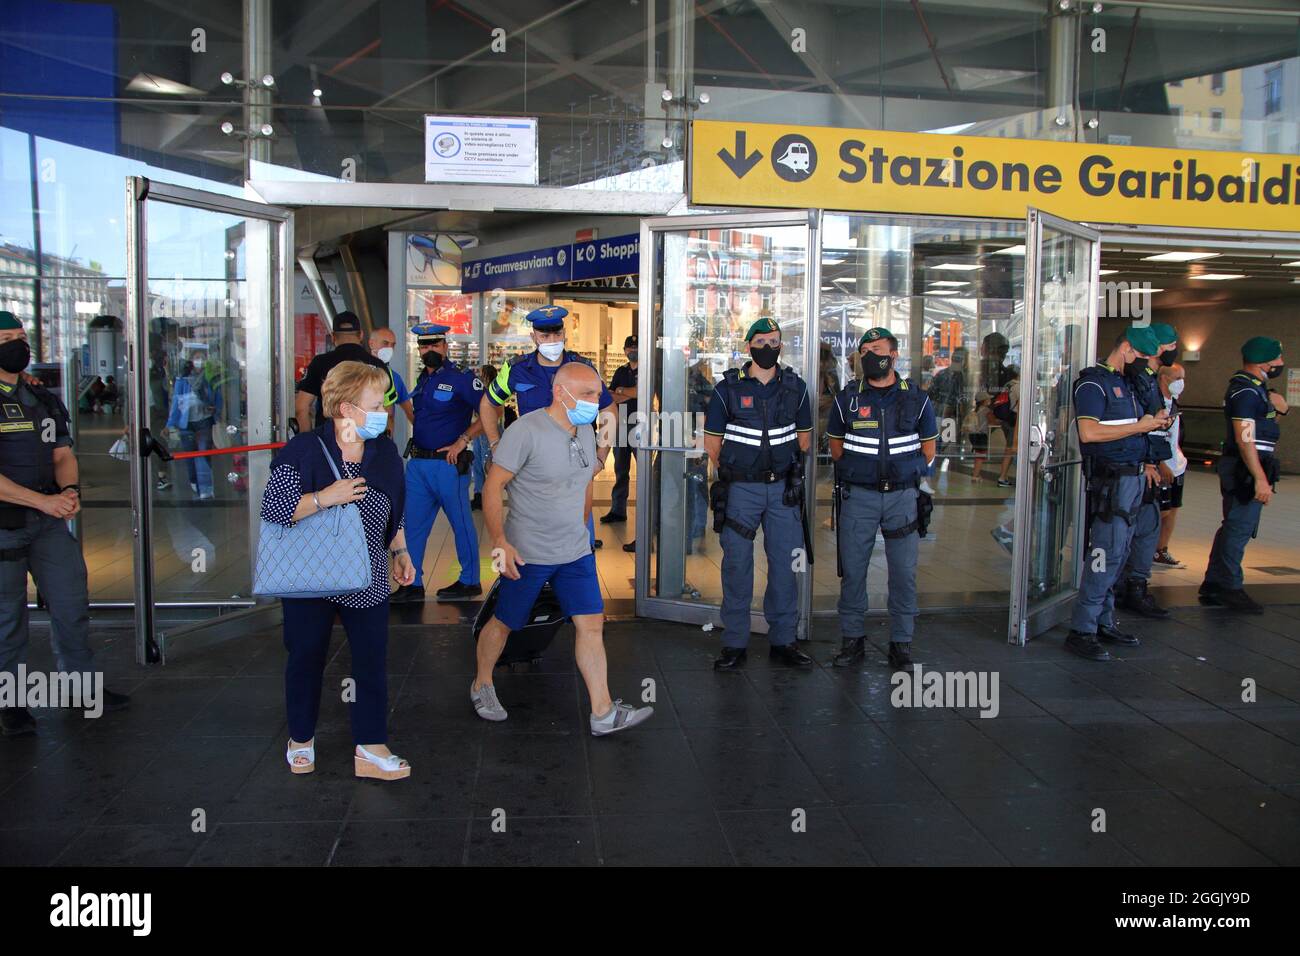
{"points": [[1248, 470], [1112, 437], [882, 433], [38, 494], [756, 431], [1131, 592]]}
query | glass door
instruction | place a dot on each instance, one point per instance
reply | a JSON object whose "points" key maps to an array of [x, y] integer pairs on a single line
{"points": [[1061, 263], [704, 281], [210, 312]]}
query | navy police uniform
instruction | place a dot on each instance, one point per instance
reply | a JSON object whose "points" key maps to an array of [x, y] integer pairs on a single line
{"points": [[759, 426], [1116, 479], [445, 402], [33, 423], [1246, 400], [877, 479]]}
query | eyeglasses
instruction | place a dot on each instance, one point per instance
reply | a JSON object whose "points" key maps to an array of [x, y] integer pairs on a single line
{"points": [[576, 446]]}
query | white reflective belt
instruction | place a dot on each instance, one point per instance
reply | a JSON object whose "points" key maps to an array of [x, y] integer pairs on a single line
{"points": [[900, 448], [863, 450], [1264, 445], [902, 439], [1120, 421], [862, 439], [743, 430], [781, 429], [781, 439], [737, 438]]}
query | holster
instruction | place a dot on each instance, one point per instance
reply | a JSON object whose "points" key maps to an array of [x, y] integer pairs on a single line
{"points": [[718, 504], [464, 461], [924, 508], [13, 554], [835, 520]]}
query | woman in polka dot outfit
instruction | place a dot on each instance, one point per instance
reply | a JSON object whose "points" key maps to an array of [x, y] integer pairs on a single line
{"points": [[302, 484]]}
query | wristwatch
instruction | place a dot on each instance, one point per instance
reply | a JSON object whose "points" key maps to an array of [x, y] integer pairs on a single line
{"points": [[74, 487], [397, 552]]}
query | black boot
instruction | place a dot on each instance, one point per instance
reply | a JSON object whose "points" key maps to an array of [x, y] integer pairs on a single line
{"points": [[408, 594], [476, 503], [900, 656], [1135, 598], [732, 659], [789, 655], [852, 652], [1111, 634], [1239, 600], [15, 721], [460, 591], [1086, 645]]}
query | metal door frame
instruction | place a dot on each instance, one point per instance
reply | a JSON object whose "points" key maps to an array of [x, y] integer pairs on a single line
{"points": [[1024, 621], [263, 285], [670, 609]]}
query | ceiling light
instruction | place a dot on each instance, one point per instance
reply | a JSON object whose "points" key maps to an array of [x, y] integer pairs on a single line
{"points": [[1179, 256], [941, 292], [1217, 276], [844, 279], [1010, 251], [1139, 291], [954, 282], [151, 83], [1245, 310], [316, 92], [956, 266], [1106, 272]]}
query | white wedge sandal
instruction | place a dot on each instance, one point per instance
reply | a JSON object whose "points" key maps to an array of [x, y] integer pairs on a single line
{"points": [[391, 767], [308, 753]]}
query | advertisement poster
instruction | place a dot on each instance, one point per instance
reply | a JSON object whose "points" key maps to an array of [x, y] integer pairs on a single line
{"points": [[504, 312], [433, 259], [444, 308]]}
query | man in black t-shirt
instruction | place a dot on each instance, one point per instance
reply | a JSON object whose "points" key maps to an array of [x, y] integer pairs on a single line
{"points": [[623, 387], [347, 348]]}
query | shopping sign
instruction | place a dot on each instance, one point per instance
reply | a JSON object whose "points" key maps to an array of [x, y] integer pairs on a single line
{"points": [[792, 167]]}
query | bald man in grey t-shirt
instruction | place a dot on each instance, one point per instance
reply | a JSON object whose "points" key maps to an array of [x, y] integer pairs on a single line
{"points": [[548, 458]]}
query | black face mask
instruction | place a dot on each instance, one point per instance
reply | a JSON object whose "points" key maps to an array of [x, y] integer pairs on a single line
{"points": [[876, 366], [1135, 367], [15, 355], [432, 360], [765, 356], [1272, 373], [1169, 358]]}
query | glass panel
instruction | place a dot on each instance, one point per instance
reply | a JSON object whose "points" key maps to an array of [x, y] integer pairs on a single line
{"points": [[1060, 353], [952, 292], [712, 284], [210, 349]]}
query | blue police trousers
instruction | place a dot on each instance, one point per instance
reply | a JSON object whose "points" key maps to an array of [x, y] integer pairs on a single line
{"points": [[755, 505], [1240, 524], [861, 513], [1146, 536], [45, 548], [433, 484], [1108, 548]]}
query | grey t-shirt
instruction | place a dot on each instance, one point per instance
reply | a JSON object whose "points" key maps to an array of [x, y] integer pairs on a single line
{"points": [[546, 523]]}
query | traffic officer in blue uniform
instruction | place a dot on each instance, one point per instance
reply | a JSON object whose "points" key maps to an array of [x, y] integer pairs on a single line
{"points": [[882, 432], [756, 431], [1112, 437], [445, 398], [529, 378], [1248, 470], [39, 493], [1131, 590]]}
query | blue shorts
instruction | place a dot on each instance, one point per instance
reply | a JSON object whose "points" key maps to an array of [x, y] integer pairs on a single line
{"points": [[576, 586]]}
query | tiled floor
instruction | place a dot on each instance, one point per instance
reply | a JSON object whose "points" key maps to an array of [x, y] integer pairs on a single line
{"points": [[1185, 771]]}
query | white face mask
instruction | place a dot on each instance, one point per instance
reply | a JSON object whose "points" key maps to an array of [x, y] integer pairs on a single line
{"points": [[1176, 387], [384, 355], [551, 350]]}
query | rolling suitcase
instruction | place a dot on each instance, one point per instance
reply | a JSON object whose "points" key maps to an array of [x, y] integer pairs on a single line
{"points": [[528, 643]]}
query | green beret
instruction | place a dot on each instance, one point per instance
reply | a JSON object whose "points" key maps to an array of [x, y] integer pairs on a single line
{"points": [[8, 322], [875, 335], [1261, 349], [1164, 333], [1142, 338], [766, 324]]}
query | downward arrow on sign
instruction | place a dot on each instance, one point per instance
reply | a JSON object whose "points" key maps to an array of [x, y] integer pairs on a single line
{"points": [[738, 162]]}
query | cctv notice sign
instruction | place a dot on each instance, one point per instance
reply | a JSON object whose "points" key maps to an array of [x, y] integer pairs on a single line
{"points": [[791, 167], [480, 149]]}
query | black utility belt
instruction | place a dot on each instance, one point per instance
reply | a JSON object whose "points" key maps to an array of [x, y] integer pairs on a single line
{"points": [[761, 477], [883, 486], [415, 451], [1105, 469]]}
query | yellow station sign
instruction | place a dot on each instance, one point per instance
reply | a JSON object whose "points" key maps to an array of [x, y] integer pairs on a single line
{"points": [[763, 164]]}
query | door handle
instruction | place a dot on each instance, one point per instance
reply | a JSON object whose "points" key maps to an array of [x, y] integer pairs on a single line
{"points": [[1035, 442], [150, 445]]}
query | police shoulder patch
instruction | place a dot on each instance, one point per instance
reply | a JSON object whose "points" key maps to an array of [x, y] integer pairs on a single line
{"points": [[478, 384]]}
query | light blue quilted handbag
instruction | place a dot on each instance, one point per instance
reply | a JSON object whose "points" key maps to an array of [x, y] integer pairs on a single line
{"points": [[322, 555]]}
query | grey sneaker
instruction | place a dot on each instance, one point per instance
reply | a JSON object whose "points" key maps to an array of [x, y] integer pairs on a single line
{"points": [[620, 717], [485, 702]]}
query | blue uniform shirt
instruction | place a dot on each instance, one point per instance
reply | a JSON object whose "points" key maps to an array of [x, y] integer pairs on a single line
{"points": [[1103, 394], [1247, 400], [531, 382], [400, 386], [445, 402]]}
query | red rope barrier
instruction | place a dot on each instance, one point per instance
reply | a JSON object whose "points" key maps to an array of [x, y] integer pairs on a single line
{"points": [[211, 452]]}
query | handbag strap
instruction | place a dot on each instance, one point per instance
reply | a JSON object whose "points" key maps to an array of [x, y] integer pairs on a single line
{"points": [[329, 458]]}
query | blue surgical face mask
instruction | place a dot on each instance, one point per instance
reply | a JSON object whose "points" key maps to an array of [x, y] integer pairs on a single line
{"points": [[582, 413], [376, 424]]}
